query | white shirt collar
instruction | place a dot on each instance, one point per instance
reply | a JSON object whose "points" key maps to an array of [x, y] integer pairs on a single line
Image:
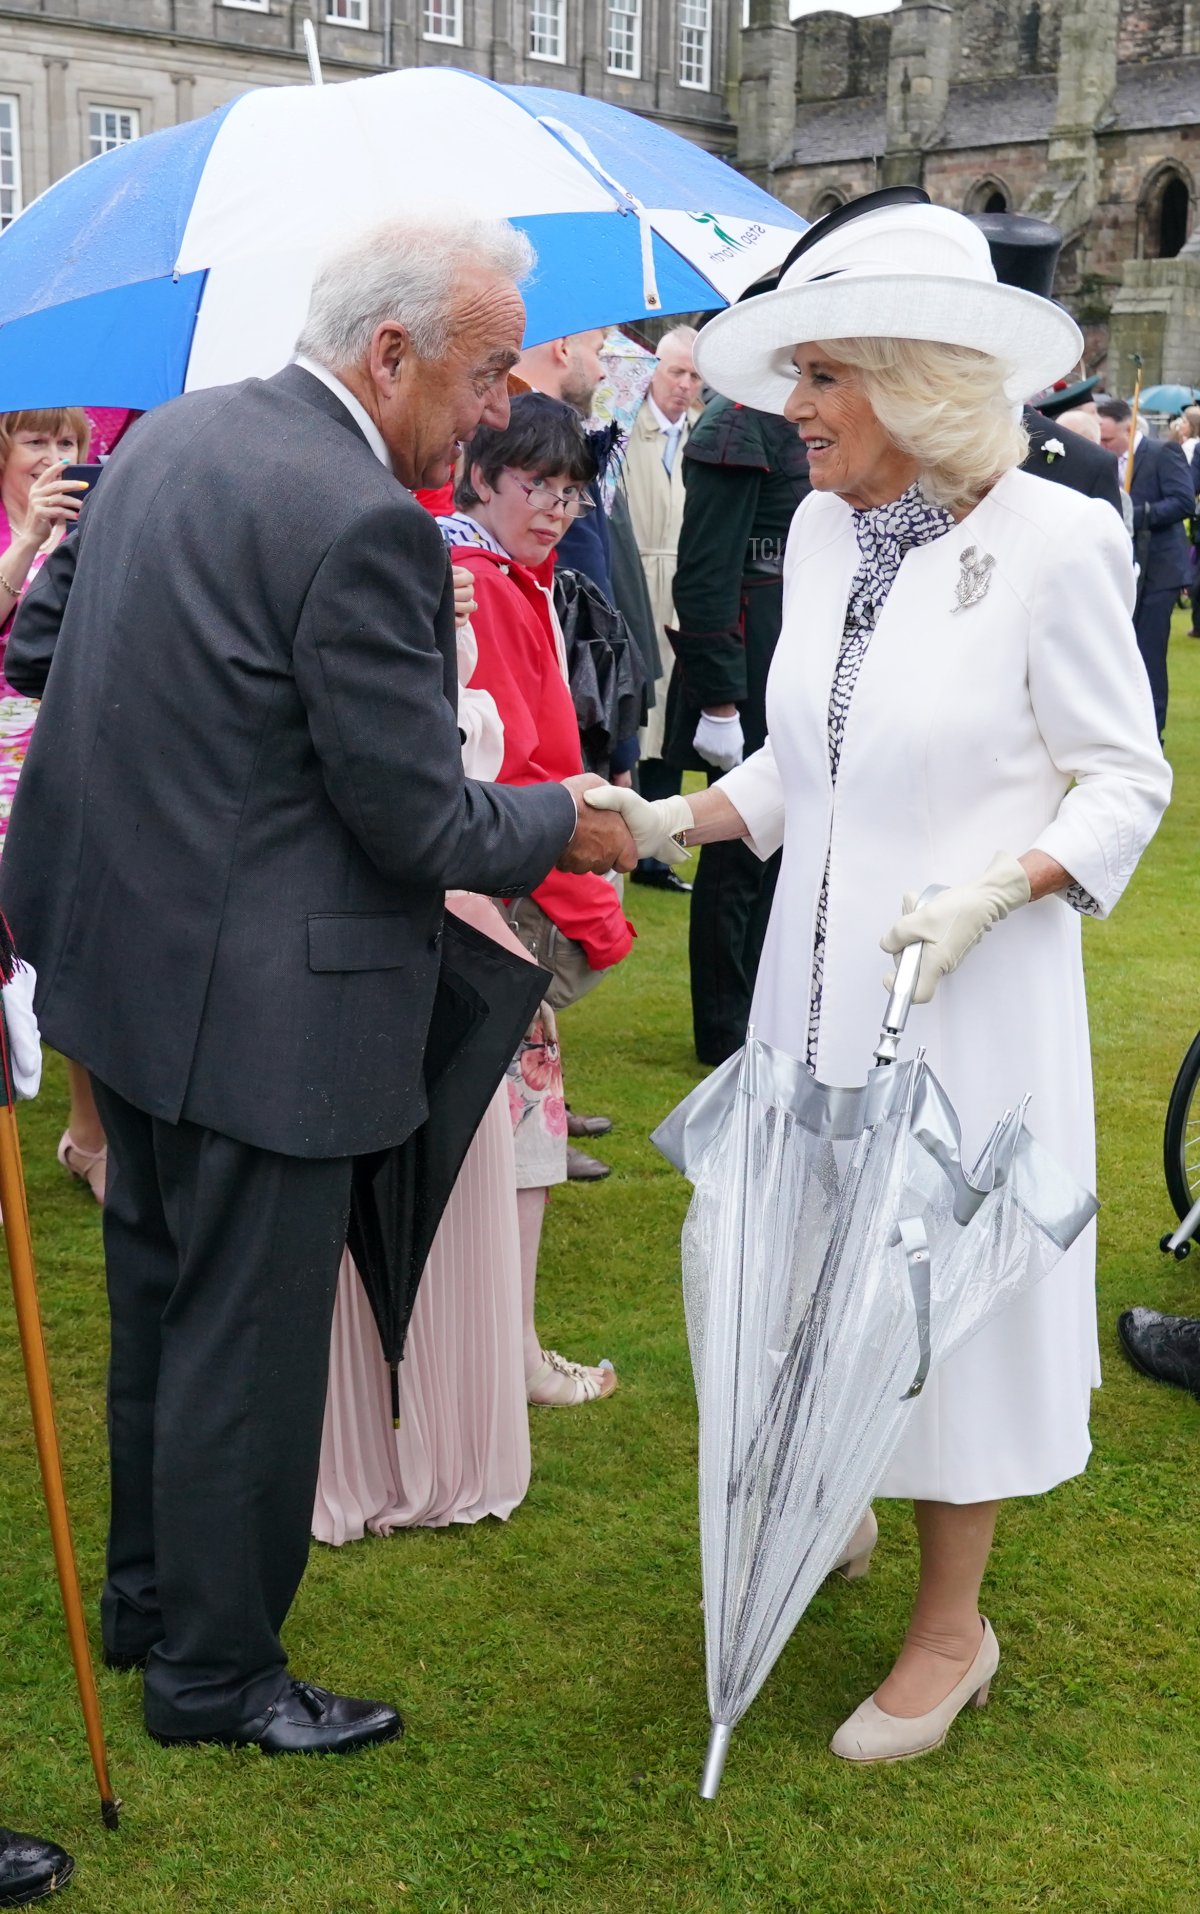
{"points": [[358, 412], [669, 426]]}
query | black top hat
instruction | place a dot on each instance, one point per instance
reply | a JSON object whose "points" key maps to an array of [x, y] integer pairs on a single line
{"points": [[1024, 250]]}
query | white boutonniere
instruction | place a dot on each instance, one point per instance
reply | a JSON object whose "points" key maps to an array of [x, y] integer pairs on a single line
{"points": [[1054, 449]]}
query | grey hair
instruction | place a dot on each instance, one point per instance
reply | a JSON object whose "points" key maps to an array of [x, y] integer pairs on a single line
{"points": [[679, 335], [404, 271]]}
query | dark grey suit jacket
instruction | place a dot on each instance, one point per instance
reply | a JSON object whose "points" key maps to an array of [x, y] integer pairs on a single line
{"points": [[1163, 494], [244, 798], [1086, 467]]}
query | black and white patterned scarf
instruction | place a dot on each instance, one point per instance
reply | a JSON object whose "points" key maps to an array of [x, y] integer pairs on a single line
{"points": [[885, 534]]}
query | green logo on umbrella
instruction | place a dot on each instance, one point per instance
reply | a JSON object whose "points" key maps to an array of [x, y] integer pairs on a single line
{"points": [[726, 239]]}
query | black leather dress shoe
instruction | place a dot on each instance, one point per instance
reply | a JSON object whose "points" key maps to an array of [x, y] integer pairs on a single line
{"points": [[30, 1869], [307, 1720], [1165, 1347], [664, 880], [578, 1125]]}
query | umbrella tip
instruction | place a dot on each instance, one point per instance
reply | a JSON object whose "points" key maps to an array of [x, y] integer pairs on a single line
{"points": [[110, 1813], [714, 1760]]}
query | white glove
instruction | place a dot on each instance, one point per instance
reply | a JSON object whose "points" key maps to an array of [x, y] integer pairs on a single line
{"points": [[719, 741], [954, 921], [24, 1037], [652, 826]]}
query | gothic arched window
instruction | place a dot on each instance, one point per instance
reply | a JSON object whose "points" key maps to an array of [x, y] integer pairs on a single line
{"points": [[1165, 210], [987, 196], [826, 202]]}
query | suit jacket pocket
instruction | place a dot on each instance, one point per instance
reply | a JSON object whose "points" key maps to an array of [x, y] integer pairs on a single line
{"points": [[353, 940]]}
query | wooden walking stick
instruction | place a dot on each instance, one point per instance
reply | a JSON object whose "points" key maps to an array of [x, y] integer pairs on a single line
{"points": [[1133, 422], [19, 1249]]}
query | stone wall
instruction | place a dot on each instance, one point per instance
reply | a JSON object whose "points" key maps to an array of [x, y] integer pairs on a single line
{"points": [[951, 178], [1151, 29], [840, 57]]}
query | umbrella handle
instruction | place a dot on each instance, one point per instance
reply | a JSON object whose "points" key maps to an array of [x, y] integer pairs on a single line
{"points": [[908, 970]]}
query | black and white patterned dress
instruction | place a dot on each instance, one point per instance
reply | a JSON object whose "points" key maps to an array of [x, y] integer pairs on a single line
{"points": [[884, 534]]}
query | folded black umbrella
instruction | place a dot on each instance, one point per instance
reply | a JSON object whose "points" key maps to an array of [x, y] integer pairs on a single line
{"points": [[604, 667], [486, 998]]}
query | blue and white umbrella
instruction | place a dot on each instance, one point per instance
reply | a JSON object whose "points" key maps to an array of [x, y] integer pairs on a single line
{"points": [[185, 259]]}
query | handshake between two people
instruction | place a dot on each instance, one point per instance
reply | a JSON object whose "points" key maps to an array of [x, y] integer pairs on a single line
{"points": [[615, 827]]}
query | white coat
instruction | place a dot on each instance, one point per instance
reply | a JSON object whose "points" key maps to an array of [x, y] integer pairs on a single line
{"points": [[1023, 722], [656, 509]]}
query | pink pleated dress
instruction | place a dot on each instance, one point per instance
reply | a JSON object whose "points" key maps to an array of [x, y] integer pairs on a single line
{"points": [[462, 1449]]}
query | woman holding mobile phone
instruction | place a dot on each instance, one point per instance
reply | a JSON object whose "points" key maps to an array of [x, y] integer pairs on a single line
{"points": [[38, 506]]}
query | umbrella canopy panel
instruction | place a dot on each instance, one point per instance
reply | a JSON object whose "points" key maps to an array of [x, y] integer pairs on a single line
{"points": [[835, 1250], [185, 259], [1167, 398]]}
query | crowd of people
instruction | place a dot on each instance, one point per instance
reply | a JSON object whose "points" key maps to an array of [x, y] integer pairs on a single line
{"points": [[479, 692]]}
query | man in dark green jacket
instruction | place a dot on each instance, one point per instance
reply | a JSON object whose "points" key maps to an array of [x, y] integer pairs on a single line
{"points": [[745, 474]]}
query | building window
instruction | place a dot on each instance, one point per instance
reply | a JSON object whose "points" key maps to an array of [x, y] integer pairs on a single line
{"points": [[695, 43], [443, 21], [1173, 210], [1164, 210], [249, 6], [625, 38], [826, 202], [348, 13], [10, 159], [110, 127], [547, 30], [988, 196]]}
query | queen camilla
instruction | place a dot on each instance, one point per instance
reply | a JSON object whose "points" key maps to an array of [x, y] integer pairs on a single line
{"points": [[956, 699]]}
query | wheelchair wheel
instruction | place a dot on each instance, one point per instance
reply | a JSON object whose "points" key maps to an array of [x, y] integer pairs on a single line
{"points": [[1181, 1136]]}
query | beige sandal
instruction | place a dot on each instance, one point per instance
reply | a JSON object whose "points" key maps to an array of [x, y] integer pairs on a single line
{"points": [[559, 1384], [86, 1166]]}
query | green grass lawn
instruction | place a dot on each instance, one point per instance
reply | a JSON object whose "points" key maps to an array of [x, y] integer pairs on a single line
{"points": [[551, 1669]]}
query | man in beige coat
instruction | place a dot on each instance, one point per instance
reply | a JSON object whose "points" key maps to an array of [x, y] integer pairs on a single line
{"points": [[653, 480]]}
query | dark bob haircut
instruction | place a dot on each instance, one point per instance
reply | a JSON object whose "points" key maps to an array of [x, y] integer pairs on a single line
{"points": [[544, 437]]}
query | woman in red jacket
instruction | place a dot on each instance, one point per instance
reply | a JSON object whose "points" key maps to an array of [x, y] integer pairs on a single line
{"points": [[519, 490]]}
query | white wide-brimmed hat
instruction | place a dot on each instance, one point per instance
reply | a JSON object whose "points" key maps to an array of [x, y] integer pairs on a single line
{"points": [[891, 272]]}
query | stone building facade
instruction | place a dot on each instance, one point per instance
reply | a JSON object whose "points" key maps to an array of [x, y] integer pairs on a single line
{"points": [[1086, 112], [79, 76]]}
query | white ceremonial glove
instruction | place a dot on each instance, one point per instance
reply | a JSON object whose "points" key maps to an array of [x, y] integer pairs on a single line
{"points": [[952, 923], [652, 826], [719, 741], [24, 1037]]}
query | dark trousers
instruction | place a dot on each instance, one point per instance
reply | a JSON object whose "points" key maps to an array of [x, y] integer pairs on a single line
{"points": [[731, 903], [222, 1262], [655, 780], [1152, 624]]}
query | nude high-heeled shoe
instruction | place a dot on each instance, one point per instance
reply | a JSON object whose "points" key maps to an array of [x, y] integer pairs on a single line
{"points": [[857, 1560], [872, 1735], [86, 1166]]}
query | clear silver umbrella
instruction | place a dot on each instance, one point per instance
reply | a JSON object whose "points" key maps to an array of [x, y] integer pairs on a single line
{"points": [[836, 1250]]}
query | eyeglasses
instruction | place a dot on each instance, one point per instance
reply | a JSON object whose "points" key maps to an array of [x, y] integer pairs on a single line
{"points": [[543, 498]]}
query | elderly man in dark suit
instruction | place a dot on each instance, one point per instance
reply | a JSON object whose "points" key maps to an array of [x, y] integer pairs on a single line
{"points": [[1163, 496], [227, 860]]}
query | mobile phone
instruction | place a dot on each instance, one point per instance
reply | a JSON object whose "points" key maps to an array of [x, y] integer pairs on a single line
{"points": [[90, 474]]}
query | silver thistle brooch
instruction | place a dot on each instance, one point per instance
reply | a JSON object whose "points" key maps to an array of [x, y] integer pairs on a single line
{"points": [[973, 579]]}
